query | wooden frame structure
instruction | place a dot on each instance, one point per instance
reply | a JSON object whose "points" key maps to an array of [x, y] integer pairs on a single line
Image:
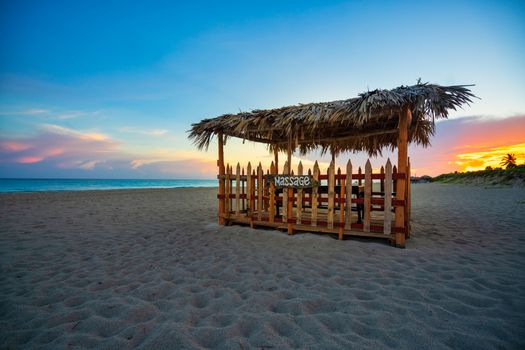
{"points": [[373, 121]]}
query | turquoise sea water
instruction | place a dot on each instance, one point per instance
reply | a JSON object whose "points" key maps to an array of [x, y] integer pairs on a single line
{"points": [[44, 185]]}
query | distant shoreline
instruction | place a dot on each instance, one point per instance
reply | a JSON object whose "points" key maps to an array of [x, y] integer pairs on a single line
{"points": [[514, 176], [74, 185]]}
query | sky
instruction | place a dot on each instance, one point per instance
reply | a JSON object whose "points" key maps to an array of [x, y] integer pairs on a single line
{"points": [[109, 89]]}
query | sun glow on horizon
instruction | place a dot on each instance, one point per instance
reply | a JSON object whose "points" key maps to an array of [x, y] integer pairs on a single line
{"points": [[479, 160]]}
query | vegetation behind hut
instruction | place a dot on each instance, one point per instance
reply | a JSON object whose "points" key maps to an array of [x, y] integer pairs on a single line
{"points": [[514, 175]]}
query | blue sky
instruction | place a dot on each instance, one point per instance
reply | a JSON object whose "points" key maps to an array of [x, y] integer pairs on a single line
{"points": [[109, 88]]}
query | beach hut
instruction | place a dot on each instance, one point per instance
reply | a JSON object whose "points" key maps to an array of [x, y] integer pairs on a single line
{"points": [[345, 202]]}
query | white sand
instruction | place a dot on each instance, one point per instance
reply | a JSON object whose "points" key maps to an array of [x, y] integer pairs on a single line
{"points": [[152, 269]]}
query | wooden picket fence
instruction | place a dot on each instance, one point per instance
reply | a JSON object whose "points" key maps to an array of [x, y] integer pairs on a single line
{"points": [[345, 203]]}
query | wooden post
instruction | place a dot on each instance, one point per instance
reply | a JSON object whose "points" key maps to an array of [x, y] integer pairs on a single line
{"points": [[409, 200], [271, 214], [387, 220], [368, 196], [342, 191], [382, 181], [231, 188], [299, 195], [227, 192], [252, 188], [290, 190], [266, 191], [331, 194], [238, 190], [309, 195], [315, 194], [382, 184], [348, 216], [402, 160], [231, 204], [243, 188], [394, 174], [249, 185], [290, 210], [339, 179], [284, 215], [220, 164], [259, 192], [360, 182]]}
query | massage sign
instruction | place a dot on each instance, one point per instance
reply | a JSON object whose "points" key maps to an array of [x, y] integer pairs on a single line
{"points": [[293, 181]]}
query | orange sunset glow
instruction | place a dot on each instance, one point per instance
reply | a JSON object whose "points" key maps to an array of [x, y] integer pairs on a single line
{"points": [[479, 160]]}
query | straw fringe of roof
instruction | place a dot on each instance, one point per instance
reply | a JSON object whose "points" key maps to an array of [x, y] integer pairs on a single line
{"points": [[365, 123]]}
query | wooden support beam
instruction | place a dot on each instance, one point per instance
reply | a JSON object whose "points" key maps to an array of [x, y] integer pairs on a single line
{"points": [[342, 190], [266, 191], [243, 191], [387, 222], [227, 192], [408, 207], [249, 184], [284, 214], [348, 216], [271, 213], [260, 192], [237, 189], [331, 194], [315, 194], [368, 197], [402, 164], [252, 188], [382, 181], [220, 164], [290, 189], [299, 195]]}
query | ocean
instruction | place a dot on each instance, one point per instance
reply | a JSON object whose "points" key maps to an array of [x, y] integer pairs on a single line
{"points": [[54, 185]]}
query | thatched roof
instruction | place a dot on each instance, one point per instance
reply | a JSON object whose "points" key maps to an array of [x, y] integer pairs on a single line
{"points": [[365, 123]]}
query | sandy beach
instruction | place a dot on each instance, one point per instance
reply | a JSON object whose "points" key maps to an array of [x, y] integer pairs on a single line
{"points": [[153, 269]]}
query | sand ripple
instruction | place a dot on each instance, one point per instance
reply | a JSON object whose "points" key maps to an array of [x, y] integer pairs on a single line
{"points": [[151, 269]]}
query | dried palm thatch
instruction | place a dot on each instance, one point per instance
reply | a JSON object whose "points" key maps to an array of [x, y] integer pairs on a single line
{"points": [[366, 123]]}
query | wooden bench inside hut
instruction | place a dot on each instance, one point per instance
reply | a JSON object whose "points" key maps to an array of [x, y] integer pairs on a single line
{"points": [[353, 201]]}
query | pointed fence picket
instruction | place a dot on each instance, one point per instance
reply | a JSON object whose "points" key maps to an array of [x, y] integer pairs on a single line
{"points": [[315, 195], [331, 184], [299, 196], [249, 189], [368, 197], [285, 196], [227, 191], [259, 192], [271, 211], [237, 189]]}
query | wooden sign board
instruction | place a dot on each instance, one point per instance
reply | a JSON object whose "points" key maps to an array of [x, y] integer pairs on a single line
{"points": [[294, 181]]}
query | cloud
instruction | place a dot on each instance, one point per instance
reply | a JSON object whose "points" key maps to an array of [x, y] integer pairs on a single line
{"points": [[58, 143], [149, 132], [13, 146], [58, 151], [85, 136], [29, 159], [37, 111], [52, 114]]}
